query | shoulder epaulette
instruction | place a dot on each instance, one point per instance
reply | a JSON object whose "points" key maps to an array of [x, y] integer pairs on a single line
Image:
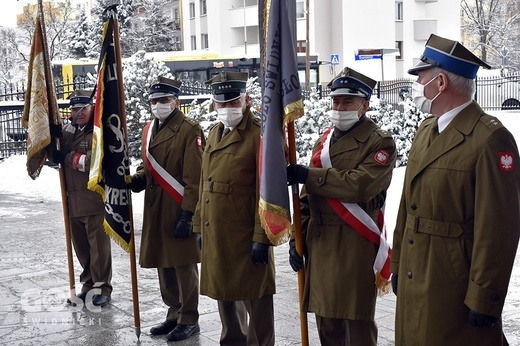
{"points": [[491, 122], [257, 121], [191, 121]]}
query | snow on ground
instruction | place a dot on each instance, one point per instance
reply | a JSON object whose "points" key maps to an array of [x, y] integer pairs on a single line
{"points": [[46, 187]]}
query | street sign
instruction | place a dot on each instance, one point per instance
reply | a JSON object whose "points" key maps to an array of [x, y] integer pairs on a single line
{"points": [[334, 59], [367, 54], [366, 57]]}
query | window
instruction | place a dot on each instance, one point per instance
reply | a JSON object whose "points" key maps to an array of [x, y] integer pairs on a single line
{"points": [[399, 46], [193, 42], [192, 10], [399, 10], [301, 46], [300, 9], [203, 8], [204, 41]]}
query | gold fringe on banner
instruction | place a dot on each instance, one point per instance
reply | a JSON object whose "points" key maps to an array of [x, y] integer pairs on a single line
{"points": [[271, 214]]}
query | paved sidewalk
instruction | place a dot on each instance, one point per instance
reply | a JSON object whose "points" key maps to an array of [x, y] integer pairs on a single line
{"points": [[34, 287]]}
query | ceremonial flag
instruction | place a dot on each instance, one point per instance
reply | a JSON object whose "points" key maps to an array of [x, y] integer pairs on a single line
{"points": [[282, 103], [40, 104], [109, 163]]}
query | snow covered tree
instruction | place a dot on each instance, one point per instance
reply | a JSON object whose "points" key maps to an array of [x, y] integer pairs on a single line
{"points": [[81, 43], [138, 74], [309, 128], [495, 26], [59, 20], [158, 28], [130, 40], [401, 125]]}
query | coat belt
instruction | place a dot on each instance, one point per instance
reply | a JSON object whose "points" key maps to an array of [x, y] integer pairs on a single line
{"points": [[216, 187], [437, 228]]}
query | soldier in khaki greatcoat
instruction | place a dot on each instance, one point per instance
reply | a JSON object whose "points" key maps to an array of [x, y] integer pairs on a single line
{"points": [[237, 266], [86, 208], [171, 152], [458, 223], [350, 171]]}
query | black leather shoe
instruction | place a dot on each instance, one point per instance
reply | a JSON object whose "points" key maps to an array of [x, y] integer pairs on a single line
{"points": [[183, 331], [100, 300], [163, 328], [80, 295]]}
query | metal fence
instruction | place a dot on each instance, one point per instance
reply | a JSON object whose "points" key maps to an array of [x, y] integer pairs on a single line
{"points": [[492, 93]]}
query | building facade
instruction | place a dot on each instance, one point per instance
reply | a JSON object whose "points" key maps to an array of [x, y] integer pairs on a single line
{"points": [[341, 31]]}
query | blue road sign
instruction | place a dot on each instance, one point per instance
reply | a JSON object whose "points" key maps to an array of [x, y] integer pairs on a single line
{"points": [[334, 59]]}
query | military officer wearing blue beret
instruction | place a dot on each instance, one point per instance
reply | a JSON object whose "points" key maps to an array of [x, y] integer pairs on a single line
{"points": [[171, 151], [237, 266], [458, 223]]}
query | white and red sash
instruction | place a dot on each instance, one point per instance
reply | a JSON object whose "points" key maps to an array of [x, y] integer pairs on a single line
{"points": [[165, 180], [356, 217]]}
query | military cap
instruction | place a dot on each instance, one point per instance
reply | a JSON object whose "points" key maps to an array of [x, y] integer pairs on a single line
{"points": [[165, 87], [80, 98], [450, 56], [227, 86], [352, 83]]}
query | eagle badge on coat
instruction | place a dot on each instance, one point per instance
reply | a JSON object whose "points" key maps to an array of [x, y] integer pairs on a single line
{"points": [[506, 161], [381, 157]]}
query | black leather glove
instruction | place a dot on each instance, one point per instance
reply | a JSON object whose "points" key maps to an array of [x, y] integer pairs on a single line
{"points": [[394, 283], [184, 225], [259, 253], [295, 260], [137, 184], [58, 156], [297, 174], [199, 240], [56, 131], [480, 320]]}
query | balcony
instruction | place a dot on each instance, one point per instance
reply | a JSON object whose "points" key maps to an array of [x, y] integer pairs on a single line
{"points": [[422, 28]]}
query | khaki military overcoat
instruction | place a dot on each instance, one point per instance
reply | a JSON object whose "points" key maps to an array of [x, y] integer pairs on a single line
{"points": [[339, 278], [227, 216], [457, 231], [81, 200], [177, 147]]}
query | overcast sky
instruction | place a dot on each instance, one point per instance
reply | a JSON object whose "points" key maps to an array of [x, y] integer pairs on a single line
{"points": [[10, 8]]}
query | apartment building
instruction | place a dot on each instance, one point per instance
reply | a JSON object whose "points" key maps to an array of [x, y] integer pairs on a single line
{"points": [[345, 32]]}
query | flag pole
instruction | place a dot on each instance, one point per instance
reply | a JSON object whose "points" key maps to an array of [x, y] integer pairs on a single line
{"points": [[57, 121], [133, 267], [298, 237]]}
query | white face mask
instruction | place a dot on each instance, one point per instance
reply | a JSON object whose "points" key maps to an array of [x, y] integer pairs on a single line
{"points": [[161, 110], [421, 102], [230, 116], [344, 120]]}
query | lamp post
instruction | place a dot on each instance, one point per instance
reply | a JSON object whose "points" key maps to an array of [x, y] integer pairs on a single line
{"points": [[245, 29]]}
